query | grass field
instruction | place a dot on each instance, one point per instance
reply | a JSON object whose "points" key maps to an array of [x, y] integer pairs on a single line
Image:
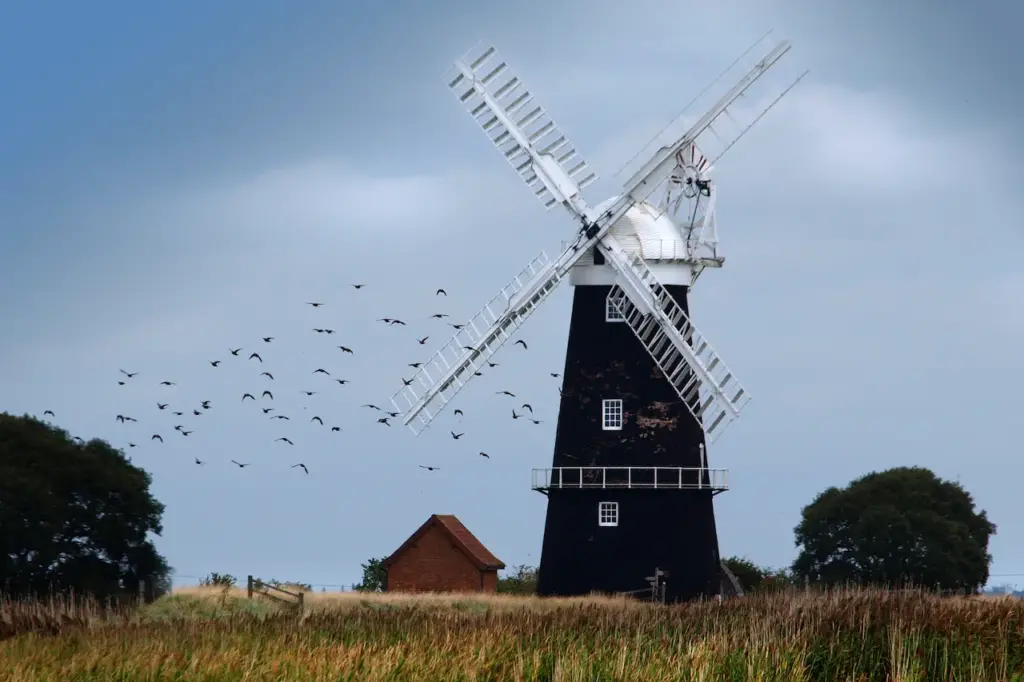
{"points": [[216, 634]]}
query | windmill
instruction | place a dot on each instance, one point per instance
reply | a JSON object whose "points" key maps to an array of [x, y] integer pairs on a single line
{"points": [[629, 490]]}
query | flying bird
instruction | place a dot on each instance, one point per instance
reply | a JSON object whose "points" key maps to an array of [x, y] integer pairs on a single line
{"points": [[214, 362], [128, 374], [266, 409], [321, 371], [526, 406], [196, 412], [303, 466], [309, 392], [317, 419], [384, 421], [415, 365], [198, 461], [342, 381], [536, 421], [131, 445], [179, 427], [335, 428], [392, 414], [456, 326], [205, 404], [268, 339], [429, 468], [281, 416], [235, 351], [484, 454], [248, 395], [508, 393], [520, 341], [267, 374], [161, 406], [374, 407], [423, 340], [345, 349], [457, 436], [440, 291], [50, 412], [439, 316], [555, 374], [257, 356], [184, 432], [239, 464], [407, 382], [315, 305], [285, 440], [177, 414], [393, 322], [167, 383], [492, 364], [514, 415], [120, 383], [358, 286], [318, 331], [458, 412], [157, 436], [120, 418], [267, 394]]}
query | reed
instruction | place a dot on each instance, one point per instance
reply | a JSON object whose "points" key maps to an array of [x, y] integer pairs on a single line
{"points": [[217, 634]]}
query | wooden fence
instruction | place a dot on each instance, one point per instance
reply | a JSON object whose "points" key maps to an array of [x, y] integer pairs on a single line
{"points": [[282, 595]]}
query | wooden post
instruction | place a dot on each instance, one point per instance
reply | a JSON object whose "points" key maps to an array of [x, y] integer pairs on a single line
{"points": [[302, 599], [249, 588]]}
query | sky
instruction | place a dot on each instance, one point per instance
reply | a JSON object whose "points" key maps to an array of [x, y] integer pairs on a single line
{"points": [[179, 180]]}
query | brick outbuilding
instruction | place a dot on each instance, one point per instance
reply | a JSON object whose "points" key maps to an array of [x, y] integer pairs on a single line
{"points": [[442, 556]]}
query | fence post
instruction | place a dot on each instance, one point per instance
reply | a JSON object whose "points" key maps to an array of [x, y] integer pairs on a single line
{"points": [[302, 598], [249, 588]]}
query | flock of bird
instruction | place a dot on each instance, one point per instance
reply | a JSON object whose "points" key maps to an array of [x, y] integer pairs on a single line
{"points": [[264, 399]]}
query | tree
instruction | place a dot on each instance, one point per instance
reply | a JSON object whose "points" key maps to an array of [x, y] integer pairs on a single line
{"points": [[904, 526], [74, 516], [523, 580], [754, 578], [374, 576]]}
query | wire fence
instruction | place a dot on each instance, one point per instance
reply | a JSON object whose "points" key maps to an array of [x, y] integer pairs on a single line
{"points": [[182, 580]]}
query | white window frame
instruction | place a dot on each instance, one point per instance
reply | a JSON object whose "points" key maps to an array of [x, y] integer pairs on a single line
{"points": [[611, 408], [611, 311], [607, 514]]}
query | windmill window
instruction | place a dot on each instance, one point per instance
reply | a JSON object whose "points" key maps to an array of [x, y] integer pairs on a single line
{"points": [[607, 513], [611, 415], [611, 311]]}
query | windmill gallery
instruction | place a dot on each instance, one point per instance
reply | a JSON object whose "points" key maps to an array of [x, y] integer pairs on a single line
{"points": [[630, 492]]}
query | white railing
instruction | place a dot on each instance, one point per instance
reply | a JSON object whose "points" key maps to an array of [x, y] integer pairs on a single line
{"points": [[669, 250], [678, 478]]}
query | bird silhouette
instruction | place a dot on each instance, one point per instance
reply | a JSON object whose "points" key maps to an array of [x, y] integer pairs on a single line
{"points": [[177, 414], [235, 351], [248, 395], [536, 421], [285, 440], [318, 331], [315, 305], [120, 383], [179, 427], [267, 394], [239, 464], [345, 349], [440, 291], [358, 286], [160, 406], [321, 371], [392, 414], [205, 404], [508, 393], [342, 381], [335, 428], [384, 421], [514, 415], [280, 416], [196, 412], [128, 374], [328, 331], [257, 356], [407, 382], [266, 410], [439, 316], [526, 406], [373, 407], [198, 461], [310, 392], [492, 364], [214, 362], [423, 340], [523, 343], [167, 383], [415, 365], [429, 468], [457, 436], [484, 454], [268, 375], [302, 466], [317, 419], [49, 412], [268, 339], [459, 412], [456, 326], [184, 432], [555, 374], [157, 436]]}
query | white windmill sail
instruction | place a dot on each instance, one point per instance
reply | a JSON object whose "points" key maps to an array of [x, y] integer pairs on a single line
{"points": [[483, 82]]}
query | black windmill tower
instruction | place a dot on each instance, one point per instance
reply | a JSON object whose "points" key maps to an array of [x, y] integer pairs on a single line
{"points": [[630, 493]]}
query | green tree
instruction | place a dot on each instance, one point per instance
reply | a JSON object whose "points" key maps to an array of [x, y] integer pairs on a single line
{"points": [[521, 580], [904, 526], [374, 576], [74, 516]]}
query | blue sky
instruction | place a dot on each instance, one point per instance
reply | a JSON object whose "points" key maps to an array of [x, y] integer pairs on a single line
{"points": [[178, 181]]}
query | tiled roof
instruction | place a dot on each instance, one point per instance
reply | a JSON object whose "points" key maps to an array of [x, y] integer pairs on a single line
{"points": [[465, 540]]}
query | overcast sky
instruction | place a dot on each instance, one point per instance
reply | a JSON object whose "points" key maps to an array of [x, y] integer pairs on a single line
{"points": [[177, 181]]}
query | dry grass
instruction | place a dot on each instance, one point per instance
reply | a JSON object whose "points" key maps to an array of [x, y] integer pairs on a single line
{"points": [[217, 634]]}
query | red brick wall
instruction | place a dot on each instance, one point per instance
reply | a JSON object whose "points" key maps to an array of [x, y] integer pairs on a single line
{"points": [[434, 564], [490, 581]]}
